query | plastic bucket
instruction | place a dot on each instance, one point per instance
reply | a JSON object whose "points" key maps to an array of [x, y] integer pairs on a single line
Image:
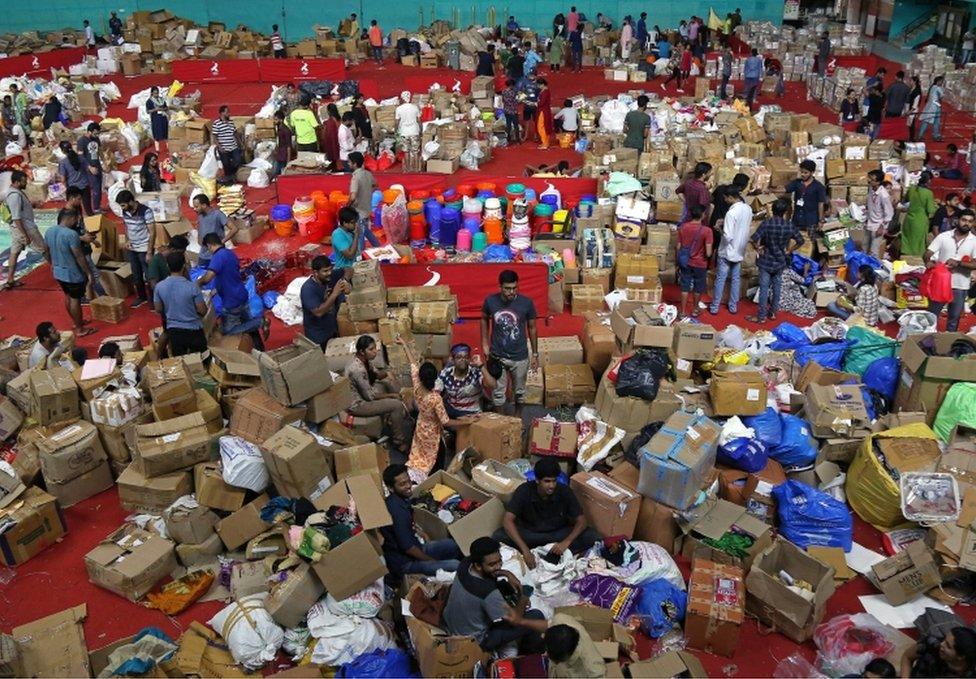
{"points": [[479, 241], [280, 213], [494, 231], [464, 240], [390, 195], [284, 228], [485, 186]]}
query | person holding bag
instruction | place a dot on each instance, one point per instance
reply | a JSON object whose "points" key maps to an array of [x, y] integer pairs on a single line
{"points": [[956, 249]]}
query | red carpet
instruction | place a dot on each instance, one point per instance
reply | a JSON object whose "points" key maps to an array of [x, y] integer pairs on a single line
{"points": [[56, 579]]}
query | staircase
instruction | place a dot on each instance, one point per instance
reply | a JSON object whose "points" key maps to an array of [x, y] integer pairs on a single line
{"points": [[918, 31]]}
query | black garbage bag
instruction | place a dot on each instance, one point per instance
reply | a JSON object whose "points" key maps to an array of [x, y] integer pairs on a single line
{"points": [[403, 47], [348, 88], [640, 375], [632, 454], [316, 88]]}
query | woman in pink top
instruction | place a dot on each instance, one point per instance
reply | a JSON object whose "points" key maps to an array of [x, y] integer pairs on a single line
{"points": [[572, 19], [954, 166]]}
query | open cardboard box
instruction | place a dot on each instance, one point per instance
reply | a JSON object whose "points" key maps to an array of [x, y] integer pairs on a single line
{"points": [[716, 518], [482, 521], [442, 655]]}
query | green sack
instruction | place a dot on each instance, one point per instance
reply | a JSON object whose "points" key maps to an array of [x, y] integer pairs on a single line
{"points": [[958, 407], [869, 346]]}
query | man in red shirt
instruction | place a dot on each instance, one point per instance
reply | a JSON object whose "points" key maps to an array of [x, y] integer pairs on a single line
{"points": [[376, 41], [696, 192], [693, 252]]}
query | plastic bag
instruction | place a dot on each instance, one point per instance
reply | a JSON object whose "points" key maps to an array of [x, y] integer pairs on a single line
{"points": [[365, 603], [595, 438], [210, 165], [608, 592], [768, 427], [258, 179], [847, 643], [808, 516], [660, 608], [797, 447], [806, 267], [788, 336], [254, 638], [254, 302], [390, 663], [825, 354], [243, 466], [856, 259], [640, 375], [958, 407], [915, 323], [867, 347], [746, 454], [936, 284], [632, 454], [497, 253]]}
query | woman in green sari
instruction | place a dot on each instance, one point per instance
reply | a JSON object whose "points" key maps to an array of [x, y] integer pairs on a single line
{"points": [[557, 51], [921, 207]]}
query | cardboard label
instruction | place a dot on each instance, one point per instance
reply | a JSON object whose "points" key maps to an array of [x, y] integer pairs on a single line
{"points": [[726, 592], [752, 395]]}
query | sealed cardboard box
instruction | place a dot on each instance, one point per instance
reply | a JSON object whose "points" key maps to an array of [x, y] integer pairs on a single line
{"points": [[93, 482], [609, 507], [433, 317], [552, 438], [368, 458], [655, 522], [906, 575], [424, 293], [535, 387], [482, 521], [737, 390], [139, 493], [257, 416], [769, 599], [586, 298], [675, 462], [54, 395], [925, 377], [297, 463], [330, 402], [636, 271], [835, 410], [244, 524], [560, 350], [130, 562], [291, 598], [294, 373], [171, 445], [190, 525], [569, 385], [212, 491], [716, 607], [170, 387], [367, 304], [31, 525], [496, 437], [357, 562], [67, 453], [599, 342], [694, 342]]}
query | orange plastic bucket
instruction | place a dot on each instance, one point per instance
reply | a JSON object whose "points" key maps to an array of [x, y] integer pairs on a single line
{"points": [[494, 231], [466, 190], [390, 196], [485, 186], [284, 229]]}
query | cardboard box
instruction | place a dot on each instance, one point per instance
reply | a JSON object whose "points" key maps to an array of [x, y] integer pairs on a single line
{"points": [[212, 491], [423, 293], [54, 646], [257, 416], [599, 343], [753, 491], [295, 373], [190, 526], [357, 562], [340, 351], [437, 166], [643, 328], [906, 575], [130, 562], [442, 655], [694, 342], [586, 298], [290, 599], [233, 368], [171, 445], [560, 351], [925, 379], [70, 493], [633, 414], [770, 600], [67, 453], [35, 523], [716, 607], [482, 521], [835, 410], [170, 388], [54, 395], [569, 385], [670, 664], [330, 402], [494, 436], [737, 390], [636, 271], [552, 438], [368, 458], [244, 524], [609, 507], [11, 417], [297, 463], [655, 522], [139, 493], [713, 519], [675, 462], [433, 317], [497, 479]]}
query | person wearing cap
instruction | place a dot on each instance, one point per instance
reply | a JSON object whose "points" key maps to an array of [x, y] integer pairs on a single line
{"points": [[463, 381], [545, 512], [408, 129]]}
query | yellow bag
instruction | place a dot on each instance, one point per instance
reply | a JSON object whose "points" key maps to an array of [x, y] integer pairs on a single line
{"points": [[871, 491], [174, 89]]}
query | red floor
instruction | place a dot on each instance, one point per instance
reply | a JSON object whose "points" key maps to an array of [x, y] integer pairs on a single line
{"points": [[56, 579]]}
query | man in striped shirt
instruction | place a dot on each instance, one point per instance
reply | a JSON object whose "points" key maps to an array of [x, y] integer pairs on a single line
{"points": [[140, 237], [228, 145], [277, 45]]}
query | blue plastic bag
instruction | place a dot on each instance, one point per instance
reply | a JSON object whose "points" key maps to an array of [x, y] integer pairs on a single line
{"points": [[800, 264], [746, 454], [768, 427], [661, 607], [393, 662], [254, 302], [826, 355], [788, 337], [808, 516], [797, 448], [270, 298], [856, 259], [497, 253], [882, 376]]}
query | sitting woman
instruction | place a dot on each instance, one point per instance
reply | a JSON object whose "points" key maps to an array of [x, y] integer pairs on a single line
{"points": [[862, 300], [954, 165], [560, 169], [463, 382], [953, 656], [373, 394]]}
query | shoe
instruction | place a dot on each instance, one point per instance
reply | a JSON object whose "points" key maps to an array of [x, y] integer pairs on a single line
{"points": [[85, 301], [138, 303], [733, 310], [713, 312]]}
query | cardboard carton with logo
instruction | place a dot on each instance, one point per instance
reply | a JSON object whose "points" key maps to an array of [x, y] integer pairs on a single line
{"points": [[737, 390], [716, 607], [926, 377], [694, 342], [433, 317], [257, 416], [560, 351], [494, 436], [357, 562], [556, 439], [53, 395], [171, 445], [608, 506], [67, 453], [298, 464], [906, 575], [32, 524], [442, 655], [713, 519], [139, 493], [676, 461], [769, 599], [569, 385], [483, 521], [330, 402], [244, 524], [294, 373], [212, 491], [837, 410], [130, 562]]}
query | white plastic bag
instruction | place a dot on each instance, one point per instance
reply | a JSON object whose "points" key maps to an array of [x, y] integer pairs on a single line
{"points": [[735, 429], [915, 323], [732, 338], [254, 638], [365, 603], [595, 439], [343, 638], [243, 466], [210, 165], [258, 179]]}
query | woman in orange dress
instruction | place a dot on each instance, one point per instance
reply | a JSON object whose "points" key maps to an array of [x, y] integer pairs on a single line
{"points": [[544, 121], [431, 417]]}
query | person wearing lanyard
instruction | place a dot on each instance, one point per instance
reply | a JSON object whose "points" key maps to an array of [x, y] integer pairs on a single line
{"points": [[809, 198], [956, 249]]}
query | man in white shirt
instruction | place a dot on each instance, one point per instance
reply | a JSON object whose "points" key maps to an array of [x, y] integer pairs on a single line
{"points": [[89, 34], [731, 250], [957, 250], [47, 349], [880, 212], [408, 129], [347, 140], [968, 41]]}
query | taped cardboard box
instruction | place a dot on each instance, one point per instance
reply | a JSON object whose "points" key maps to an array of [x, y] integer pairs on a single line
{"points": [[54, 646], [633, 414], [906, 575], [716, 607], [675, 462], [212, 491], [32, 523], [713, 519], [357, 562], [609, 507], [655, 522], [257, 416], [294, 373], [190, 525], [836, 410], [737, 390], [599, 342], [482, 521], [551, 438], [368, 458], [560, 351], [54, 395], [244, 524], [170, 388], [298, 464], [636, 271], [93, 482], [171, 445], [494, 436], [139, 493], [329, 402], [694, 342], [291, 598], [926, 378], [442, 655], [433, 317], [130, 562], [569, 385], [68, 453]]}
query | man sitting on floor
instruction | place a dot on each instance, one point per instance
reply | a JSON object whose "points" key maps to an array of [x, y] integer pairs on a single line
{"points": [[571, 650], [542, 512]]}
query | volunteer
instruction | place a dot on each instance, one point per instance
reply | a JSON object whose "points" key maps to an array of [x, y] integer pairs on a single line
{"points": [[731, 251], [506, 319], [180, 302], [463, 381], [572, 653], [374, 394], [956, 249], [225, 270], [408, 129], [321, 297]]}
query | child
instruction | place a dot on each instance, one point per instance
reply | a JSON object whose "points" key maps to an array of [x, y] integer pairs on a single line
{"points": [[694, 240], [568, 118], [865, 301]]}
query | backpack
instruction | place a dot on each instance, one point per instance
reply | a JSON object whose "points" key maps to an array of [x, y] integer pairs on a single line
{"points": [[684, 252]]}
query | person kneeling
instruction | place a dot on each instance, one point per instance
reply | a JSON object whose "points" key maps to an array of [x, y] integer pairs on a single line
{"points": [[402, 550], [488, 604], [542, 512]]}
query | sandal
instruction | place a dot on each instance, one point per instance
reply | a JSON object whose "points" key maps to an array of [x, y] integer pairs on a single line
{"points": [[13, 284], [84, 332], [755, 319]]}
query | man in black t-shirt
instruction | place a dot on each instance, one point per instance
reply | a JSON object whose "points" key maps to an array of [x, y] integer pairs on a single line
{"points": [[543, 512], [486, 62], [506, 318]]}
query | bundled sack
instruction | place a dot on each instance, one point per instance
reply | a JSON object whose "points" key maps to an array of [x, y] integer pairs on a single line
{"points": [[868, 346], [340, 639], [242, 464], [746, 454], [827, 354], [797, 447], [767, 426], [640, 375], [958, 407], [251, 634], [811, 517], [882, 376]]}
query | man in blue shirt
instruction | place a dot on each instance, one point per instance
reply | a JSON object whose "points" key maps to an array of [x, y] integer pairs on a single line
{"points": [[68, 264], [402, 550], [225, 271], [321, 297], [345, 239], [181, 304], [642, 32], [210, 221], [663, 48], [752, 72]]}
